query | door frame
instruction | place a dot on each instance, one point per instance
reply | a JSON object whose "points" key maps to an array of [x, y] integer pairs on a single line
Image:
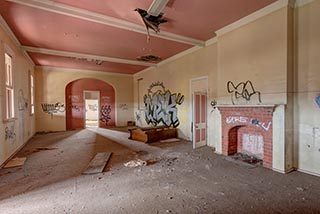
{"points": [[84, 104], [203, 89]]}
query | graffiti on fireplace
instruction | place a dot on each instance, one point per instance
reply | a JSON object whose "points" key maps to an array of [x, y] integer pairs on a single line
{"points": [[254, 121]]}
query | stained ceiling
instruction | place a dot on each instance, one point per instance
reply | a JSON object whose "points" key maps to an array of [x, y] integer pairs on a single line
{"points": [[110, 36]]}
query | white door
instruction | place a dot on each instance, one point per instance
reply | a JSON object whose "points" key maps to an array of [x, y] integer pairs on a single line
{"points": [[199, 119]]}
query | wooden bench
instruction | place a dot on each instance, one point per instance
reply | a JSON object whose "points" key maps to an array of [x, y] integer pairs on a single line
{"points": [[152, 134]]}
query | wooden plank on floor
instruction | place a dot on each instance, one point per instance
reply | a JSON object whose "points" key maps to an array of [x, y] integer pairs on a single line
{"points": [[15, 162], [98, 163]]}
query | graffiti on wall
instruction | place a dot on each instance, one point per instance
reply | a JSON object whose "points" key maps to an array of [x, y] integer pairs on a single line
{"points": [[53, 108], [105, 113], [243, 90], [73, 107], [75, 98], [138, 117], [9, 133], [239, 119], [123, 107], [161, 105], [22, 101], [317, 101]]}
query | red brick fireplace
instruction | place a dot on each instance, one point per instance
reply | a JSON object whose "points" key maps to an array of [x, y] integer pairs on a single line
{"points": [[247, 130]]}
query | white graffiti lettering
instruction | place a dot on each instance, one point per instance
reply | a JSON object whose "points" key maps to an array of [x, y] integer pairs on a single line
{"points": [[234, 119], [239, 119]]}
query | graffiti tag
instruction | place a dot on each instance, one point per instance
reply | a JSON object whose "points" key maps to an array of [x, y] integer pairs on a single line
{"points": [[123, 107], [161, 106], [53, 108], [254, 121], [317, 101], [9, 133], [243, 90], [105, 113], [22, 101]]}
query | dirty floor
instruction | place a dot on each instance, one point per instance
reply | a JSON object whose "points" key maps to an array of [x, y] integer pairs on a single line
{"points": [[177, 179]]}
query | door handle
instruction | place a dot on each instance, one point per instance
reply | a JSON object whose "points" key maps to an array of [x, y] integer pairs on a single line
{"points": [[196, 126]]}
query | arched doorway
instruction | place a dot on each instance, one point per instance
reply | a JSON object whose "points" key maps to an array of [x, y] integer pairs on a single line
{"points": [[78, 92]]}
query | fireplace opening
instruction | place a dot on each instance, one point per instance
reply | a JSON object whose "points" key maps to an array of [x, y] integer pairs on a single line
{"points": [[244, 146], [247, 133]]}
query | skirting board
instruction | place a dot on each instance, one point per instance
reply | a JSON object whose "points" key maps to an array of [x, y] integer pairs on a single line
{"points": [[308, 172], [284, 172], [18, 150]]}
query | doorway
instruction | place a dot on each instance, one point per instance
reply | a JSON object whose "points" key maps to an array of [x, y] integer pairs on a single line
{"points": [[199, 91], [199, 119], [91, 103]]}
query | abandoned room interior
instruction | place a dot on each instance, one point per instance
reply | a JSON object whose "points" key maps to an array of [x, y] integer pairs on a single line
{"points": [[159, 106]]}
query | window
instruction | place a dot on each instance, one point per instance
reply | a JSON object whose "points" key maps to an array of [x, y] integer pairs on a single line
{"points": [[9, 87], [31, 94]]}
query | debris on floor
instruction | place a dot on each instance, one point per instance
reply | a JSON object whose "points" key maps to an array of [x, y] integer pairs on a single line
{"points": [[141, 152], [98, 163], [15, 162], [247, 158], [171, 140], [151, 162], [45, 148], [135, 163]]}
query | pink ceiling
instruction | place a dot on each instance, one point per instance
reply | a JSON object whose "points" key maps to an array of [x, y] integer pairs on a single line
{"points": [[190, 18]]}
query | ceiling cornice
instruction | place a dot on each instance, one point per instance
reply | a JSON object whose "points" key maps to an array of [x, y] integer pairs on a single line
{"points": [[254, 16], [11, 35], [77, 70], [67, 10], [86, 56], [300, 3]]}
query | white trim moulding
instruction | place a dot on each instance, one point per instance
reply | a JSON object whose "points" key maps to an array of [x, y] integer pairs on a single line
{"points": [[11, 35], [86, 56], [103, 19], [254, 16], [300, 3], [77, 70]]}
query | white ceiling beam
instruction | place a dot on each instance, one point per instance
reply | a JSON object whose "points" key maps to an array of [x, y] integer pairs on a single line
{"points": [[67, 10], [85, 56]]}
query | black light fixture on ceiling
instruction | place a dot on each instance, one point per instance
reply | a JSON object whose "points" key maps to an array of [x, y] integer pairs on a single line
{"points": [[153, 17]]}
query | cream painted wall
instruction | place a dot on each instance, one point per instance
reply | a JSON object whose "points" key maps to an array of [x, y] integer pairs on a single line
{"points": [[176, 77], [307, 86], [255, 52], [51, 89], [23, 126]]}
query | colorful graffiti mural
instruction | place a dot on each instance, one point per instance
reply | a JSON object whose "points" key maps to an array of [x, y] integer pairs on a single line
{"points": [[161, 105]]}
